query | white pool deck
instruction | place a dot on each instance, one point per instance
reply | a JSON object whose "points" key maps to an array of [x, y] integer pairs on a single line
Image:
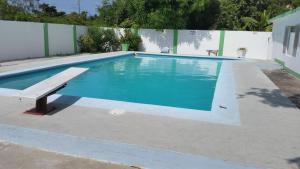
{"points": [[267, 135]]}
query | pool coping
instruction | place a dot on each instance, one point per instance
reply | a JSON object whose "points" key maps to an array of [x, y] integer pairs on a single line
{"points": [[224, 105], [192, 56]]}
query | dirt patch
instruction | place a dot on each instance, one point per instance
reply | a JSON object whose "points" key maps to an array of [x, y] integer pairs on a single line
{"points": [[287, 83]]}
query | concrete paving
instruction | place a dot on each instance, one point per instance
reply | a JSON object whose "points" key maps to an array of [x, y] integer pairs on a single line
{"points": [[46, 61], [19, 157], [268, 136]]}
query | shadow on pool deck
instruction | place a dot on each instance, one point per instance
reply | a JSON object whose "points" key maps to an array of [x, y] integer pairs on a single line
{"points": [[295, 161], [62, 103], [273, 98]]}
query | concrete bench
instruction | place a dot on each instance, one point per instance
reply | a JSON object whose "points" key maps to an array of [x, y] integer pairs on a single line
{"points": [[40, 91]]}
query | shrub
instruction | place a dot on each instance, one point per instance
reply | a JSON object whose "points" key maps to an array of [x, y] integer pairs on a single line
{"points": [[99, 40], [86, 44], [132, 39]]}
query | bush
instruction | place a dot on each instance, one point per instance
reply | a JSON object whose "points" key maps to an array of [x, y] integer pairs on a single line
{"points": [[86, 44], [132, 39], [99, 40]]}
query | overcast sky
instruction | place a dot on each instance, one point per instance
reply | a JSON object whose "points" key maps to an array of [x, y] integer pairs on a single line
{"points": [[72, 5]]}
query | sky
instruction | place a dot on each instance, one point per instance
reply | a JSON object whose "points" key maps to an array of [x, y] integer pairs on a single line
{"points": [[72, 5]]}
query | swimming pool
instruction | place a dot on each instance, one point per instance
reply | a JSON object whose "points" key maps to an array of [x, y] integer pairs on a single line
{"points": [[150, 79]]}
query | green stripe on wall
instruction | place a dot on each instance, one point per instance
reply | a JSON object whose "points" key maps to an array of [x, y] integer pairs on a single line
{"points": [[289, 71], [175, 41], [75, 39], [46, 39], [221, 42], [279, 62]]}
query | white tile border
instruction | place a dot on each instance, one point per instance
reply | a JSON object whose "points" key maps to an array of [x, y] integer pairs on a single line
{"points": [[192, 56], [224, 106]]}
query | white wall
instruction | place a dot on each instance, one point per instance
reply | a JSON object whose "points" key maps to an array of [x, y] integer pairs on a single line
{"points": [[197, 41], [20, 40], [155, 40], [256, 43], [279, 26], [60, 39]]}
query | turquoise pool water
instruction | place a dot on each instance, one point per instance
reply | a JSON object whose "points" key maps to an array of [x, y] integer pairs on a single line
{"points": [[168, 81]]}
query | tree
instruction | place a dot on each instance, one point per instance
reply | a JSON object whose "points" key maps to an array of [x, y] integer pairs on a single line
{"points": [[26, 5], [31, 10], [11, 10], [251, 15], [203, 14], [160, 14], [47, 10]]}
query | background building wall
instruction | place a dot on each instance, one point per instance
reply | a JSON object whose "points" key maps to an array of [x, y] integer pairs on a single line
{"points": [[279, 26]]}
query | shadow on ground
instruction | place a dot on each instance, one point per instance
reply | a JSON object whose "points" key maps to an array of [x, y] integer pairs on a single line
{"points": [[287, 83], [295, 161], [295, 99], [62, 103], [273, 98], [163, 37]]}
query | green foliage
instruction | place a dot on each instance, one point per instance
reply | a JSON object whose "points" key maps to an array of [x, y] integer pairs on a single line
{"points": [[259, 25], [228, 17], [162, 14], [252, 15], [99, 40], [86, 44], [132, 39], [193, 14], [31, 10], [203, 15]]}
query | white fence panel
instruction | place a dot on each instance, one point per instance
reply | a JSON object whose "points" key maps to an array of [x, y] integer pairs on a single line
{"points": [[155, 40], [60, 39], [197, 42], [256, 43], [21, 40]]}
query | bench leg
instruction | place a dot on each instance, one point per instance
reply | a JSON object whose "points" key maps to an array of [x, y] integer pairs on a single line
{"points": [[41, 105]]}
